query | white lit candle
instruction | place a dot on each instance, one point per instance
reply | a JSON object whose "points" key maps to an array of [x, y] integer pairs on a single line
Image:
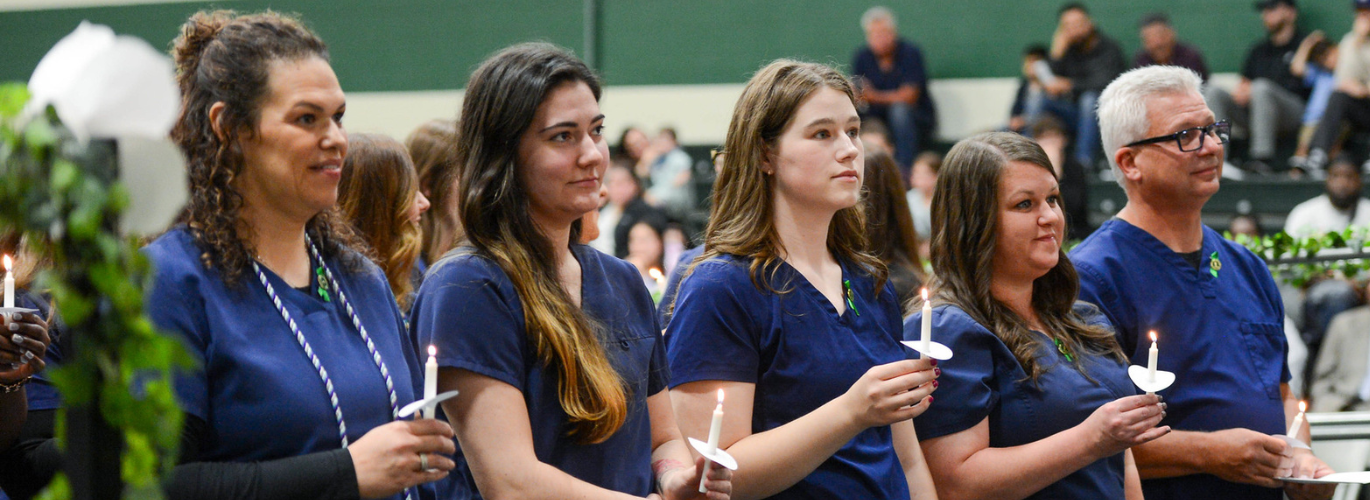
{"points": [[715, 428], [430, 380], [660, 278], [925, 335], [1298, 421], [1151, 359], [9, 282]]}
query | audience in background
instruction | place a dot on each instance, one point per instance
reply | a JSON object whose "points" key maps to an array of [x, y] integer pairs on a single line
{"points": [[1268, 102], [1159, 46], [430, 147], [1313, 62], [893, 84], [668, 175], [1032, 84], [875, 136], [645, 250], [1053, 137], [624, 209], [889, 225], [1084, 61], [1341, 381], [1245, 224], [1350, 103], [379, 194], [922, 182]]}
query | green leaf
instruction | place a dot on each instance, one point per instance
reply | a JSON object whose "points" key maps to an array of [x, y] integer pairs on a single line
{"points": [[13, 97]]}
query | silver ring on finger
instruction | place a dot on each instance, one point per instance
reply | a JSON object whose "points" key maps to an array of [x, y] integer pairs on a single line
{"points": [[423, 462]]}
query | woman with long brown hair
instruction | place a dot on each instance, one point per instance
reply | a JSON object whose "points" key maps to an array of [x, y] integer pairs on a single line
{"points": [[302, 360], [379, 194], [552, 344], [889, 226], [1038, 402], [431, 146], [788, 313]]}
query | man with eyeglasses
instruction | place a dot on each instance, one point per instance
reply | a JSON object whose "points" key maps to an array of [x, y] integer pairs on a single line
{"points": [[1219, 318]]}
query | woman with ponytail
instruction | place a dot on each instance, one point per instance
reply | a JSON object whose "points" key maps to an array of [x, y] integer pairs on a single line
{"points": [[303, 362], [552, 344]]}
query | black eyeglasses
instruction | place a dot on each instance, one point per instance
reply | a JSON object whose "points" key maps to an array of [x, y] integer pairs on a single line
{"points": [[1192, 139]]}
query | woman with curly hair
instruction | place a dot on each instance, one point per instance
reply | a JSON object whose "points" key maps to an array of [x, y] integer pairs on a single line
{"points": [[379, 193], [552, 344], [303, 364]]}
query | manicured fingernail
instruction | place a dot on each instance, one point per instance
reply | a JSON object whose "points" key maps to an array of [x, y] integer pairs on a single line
{"points": [[929, 399], [934, 384], [14, 326], [28, 356], [17, 339], [934, 362], [937, 372]]}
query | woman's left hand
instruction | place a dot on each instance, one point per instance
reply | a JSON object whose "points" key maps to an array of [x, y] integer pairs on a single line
{"points": [[682, 483], [24, 342]]}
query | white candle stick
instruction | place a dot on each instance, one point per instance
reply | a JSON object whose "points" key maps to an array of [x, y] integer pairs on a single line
{"points": [[925, 334], [1151, 359], [9, 282], [715, 428], [660, 278], [1298, 421], [430, 380]]}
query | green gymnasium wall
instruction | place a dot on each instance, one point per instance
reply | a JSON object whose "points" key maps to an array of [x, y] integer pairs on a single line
{"points": [[406, 45]]}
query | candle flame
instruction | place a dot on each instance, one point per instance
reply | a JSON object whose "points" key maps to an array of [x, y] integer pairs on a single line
{"points": [[925, 294], [656, 274], [8, 263], [432, 351], [1303, 406], [720, 396], [1153, 335]]}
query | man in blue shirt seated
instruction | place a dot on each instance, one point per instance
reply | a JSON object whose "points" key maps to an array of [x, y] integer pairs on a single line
{"points": [[1213, 303], [893, 83]]}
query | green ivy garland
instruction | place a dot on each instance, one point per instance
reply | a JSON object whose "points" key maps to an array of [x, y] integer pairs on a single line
{"points": [[68, 205], [1299, 260]]}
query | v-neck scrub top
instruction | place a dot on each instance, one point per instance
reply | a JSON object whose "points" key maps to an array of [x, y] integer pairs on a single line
{"points": [[800, 354], [1222, 336], [985, 381], [257, 391], [468, 309]]}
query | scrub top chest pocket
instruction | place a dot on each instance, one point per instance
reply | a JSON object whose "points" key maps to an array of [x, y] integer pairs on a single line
{"points": [[1265, 342]]}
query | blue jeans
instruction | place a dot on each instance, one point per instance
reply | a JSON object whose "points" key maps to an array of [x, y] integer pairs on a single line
{"points": [[1078, 115]]}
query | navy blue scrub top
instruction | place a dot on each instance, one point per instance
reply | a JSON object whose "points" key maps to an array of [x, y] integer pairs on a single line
{"points": [[1223, 336], [258, 392], [799, 353], [664, 309], [984, 380], [468, 308]]}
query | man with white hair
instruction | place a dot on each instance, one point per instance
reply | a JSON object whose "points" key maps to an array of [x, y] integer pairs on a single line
{"points": [[1220, 320], [893, 83]]}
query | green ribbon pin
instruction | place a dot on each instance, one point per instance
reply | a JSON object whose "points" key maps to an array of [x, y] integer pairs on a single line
{"points": [[323, 284], [851, 304], [1214, 265], [1061, 347]]}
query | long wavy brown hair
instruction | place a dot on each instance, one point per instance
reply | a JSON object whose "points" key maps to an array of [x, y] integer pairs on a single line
{"points": [[503, 96], [376, 194], [965, 226], [432, 146], [889, 225], [742, 220], [224, 57]]}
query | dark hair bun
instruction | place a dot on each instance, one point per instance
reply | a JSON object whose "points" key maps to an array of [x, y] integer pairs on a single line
{"points": [[196, 34]]}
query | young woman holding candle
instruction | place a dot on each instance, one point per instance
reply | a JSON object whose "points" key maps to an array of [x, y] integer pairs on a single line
{"points": [[28, 400], [552, 344], [1038, 403], [789, 314], [302, 360]]}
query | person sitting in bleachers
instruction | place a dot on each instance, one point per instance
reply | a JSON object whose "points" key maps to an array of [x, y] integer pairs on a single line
{"points": [[1268, 102], [668, 175], [1159, 46], [893, 84], [1084, 60], [1341, 382], [1314, 62], [1350, 104]]}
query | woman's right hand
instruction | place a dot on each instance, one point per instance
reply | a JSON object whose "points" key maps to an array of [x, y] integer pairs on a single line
{"points": [[1124, 423], [387, 458], [892, 392], [31, 333]]}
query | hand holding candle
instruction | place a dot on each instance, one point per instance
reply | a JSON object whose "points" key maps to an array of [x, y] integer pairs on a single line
{"points": [[715, 428], [430, 380]]}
